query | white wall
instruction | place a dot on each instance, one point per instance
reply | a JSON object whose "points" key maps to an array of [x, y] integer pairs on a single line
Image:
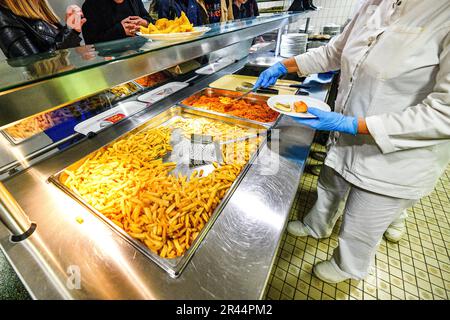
{"points": [[333, 11]]}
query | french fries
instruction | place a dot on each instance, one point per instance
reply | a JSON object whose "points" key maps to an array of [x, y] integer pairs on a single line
{"points": [[219, 130], [240, 152], [124, 90], [129, 183], [181, 24], [30, 126]]}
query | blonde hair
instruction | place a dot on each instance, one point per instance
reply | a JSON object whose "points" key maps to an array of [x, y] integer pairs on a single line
{"points": [[32, 9]]}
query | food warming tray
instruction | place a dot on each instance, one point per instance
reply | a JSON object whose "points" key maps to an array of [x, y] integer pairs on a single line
{"points": [[212, 92], [173, 266]]}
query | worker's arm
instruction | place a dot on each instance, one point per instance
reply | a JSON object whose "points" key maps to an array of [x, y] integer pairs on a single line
{"points": [[422, 125]]}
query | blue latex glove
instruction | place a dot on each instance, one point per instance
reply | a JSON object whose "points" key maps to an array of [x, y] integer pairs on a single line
{"points": [[330, 121], [271, 75]]}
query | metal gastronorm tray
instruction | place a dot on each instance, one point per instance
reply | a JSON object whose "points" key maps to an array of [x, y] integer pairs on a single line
{"points": [[212, 92], [176, 265]]}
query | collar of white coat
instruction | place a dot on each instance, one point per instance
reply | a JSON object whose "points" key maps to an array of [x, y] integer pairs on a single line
{"points": [[382, 13]]}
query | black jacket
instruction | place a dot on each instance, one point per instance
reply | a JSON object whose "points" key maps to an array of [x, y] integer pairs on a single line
{"points": [[22, 37], [190, 8], [239, 12], [102, 25]]}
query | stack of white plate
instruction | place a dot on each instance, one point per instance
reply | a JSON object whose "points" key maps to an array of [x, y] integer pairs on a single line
{"points": [[293, 44], [332, 29]]}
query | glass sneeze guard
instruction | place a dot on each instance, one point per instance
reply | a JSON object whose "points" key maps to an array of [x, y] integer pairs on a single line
{"points": [[24, 71]]}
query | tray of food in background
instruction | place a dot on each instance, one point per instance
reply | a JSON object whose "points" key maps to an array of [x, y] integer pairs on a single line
{"points": [[184, 68], [124, 90], [32, 126], [252, 108], [152, 80], [235, 82], [147, 188], [162, 92]]}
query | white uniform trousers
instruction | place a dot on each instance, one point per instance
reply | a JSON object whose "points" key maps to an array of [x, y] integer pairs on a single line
{"points": [[366, 217]]}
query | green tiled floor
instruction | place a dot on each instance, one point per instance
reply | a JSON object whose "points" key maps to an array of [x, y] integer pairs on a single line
{"points": [[418, 267], [10, 285]]}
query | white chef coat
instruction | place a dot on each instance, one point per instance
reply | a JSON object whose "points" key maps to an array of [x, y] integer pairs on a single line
{"points": [[395, 73]]}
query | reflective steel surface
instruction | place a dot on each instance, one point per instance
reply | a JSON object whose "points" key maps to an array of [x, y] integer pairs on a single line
{"points": [[65, 259]]}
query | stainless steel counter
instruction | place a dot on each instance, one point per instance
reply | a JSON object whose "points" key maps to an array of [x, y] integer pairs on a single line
{"points": [[64, 259]]}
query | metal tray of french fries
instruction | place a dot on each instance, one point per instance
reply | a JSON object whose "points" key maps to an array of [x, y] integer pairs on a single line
{"points": [[152, 201], [213, 92]]}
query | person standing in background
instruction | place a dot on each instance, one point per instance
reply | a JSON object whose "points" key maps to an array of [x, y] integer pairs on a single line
{"points": [[113, 19], [251, 8], [239, 9], [171, 9], [31, 27], [214, 11]]}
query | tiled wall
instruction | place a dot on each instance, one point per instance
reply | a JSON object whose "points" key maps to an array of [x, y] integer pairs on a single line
{"points": [[331, 11]]}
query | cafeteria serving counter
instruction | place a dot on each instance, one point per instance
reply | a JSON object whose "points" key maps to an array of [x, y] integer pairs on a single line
{"points": [[74, 255]]}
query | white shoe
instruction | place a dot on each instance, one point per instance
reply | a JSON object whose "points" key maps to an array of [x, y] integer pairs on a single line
{"points": [[328, 272], [298, 229], [395, 232]]}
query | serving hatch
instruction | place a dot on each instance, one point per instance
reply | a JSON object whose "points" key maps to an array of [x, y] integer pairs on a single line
{"points": [[164, 206]]}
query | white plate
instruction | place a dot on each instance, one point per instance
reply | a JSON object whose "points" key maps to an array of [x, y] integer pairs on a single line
{"points": [[290, 99], [215, 66], [198, 31], [109, 117], [162, 92]]}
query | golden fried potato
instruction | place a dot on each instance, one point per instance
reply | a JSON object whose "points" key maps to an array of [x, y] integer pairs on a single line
{"points": [[162, 23], [130, 184], [144, 30], [181, 24]]}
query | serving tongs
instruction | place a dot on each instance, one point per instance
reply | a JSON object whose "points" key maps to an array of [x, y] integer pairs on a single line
{"points": [[259, 90], [253, 90], [298, 86]]}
